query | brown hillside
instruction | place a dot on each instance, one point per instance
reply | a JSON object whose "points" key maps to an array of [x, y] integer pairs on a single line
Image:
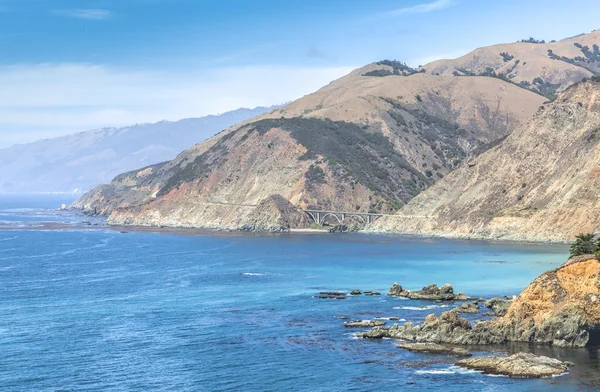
{"points": [[524, 62], [541, 183]]}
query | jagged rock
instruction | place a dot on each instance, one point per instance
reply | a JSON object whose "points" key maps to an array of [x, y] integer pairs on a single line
{"points": [[372, 293], [521, 365], [560, 308], [355, 292], [499, 305], [396, 290], [364, 324], [338, 229], [275, 214], [335, 293], [434, 349], [431, 292], [332, 295], [471, 308]]}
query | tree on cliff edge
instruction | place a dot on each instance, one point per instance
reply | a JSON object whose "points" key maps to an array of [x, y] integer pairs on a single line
{"points": [[584, 245]]}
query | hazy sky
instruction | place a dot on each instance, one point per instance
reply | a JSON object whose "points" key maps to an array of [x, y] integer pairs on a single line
{"points": [[74, 65]]}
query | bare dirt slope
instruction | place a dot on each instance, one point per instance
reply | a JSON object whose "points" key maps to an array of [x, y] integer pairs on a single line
{"points": [[541, 183], [544, 67]]}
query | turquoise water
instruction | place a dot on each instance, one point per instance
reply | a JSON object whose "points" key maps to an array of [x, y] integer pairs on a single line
{"points": [[98, 310]]}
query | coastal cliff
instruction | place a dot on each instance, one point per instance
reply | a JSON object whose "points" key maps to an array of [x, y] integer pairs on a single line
{"points": [[560, 308], [542, 183], [364, 144], [440, 150]]}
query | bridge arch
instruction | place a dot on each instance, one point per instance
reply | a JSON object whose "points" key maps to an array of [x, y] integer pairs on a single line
{"points": [[339, 220]]}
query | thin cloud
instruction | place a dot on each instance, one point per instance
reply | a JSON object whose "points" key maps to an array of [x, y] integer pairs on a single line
{"points": [[89, 14], [56, 99], [418, 9]]}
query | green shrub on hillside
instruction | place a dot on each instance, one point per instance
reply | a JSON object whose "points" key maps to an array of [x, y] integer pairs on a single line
{"points": [[584, 245], [378, 73], [357, 154], [506, 57]]}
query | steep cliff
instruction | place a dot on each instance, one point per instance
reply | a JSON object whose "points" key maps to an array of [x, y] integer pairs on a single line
{"points": [[541, 183]]}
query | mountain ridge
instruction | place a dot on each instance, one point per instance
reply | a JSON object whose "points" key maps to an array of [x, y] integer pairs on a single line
{"points": [[81, 161], [362, 143]]}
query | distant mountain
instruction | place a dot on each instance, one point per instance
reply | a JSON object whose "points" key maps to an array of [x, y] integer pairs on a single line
{"points": [[79, 162]]}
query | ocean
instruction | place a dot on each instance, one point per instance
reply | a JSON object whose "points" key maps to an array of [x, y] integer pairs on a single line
{"points": [[90, 308]]}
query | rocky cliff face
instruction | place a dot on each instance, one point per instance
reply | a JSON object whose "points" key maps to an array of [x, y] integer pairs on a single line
{"points": [[541, 183], [559, 308]]}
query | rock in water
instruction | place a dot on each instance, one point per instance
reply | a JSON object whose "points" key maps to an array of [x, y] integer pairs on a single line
{"points": [[521, 365], [364, 324], [434, 349], [355, 292], [396, 290], [560, 308], [471, 308], [431, 293]]}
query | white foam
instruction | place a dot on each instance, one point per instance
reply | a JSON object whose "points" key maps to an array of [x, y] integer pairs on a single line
{"points": [[428, 307], [449, 370], [252, 274]]}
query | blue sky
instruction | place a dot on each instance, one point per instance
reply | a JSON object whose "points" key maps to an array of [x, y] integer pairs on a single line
{"points": [[71, 65]]}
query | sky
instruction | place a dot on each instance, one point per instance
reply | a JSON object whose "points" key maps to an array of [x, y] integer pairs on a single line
{"points": [[73, 65]]}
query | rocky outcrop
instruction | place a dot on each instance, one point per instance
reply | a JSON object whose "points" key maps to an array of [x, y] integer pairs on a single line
{"points": [[471, 308], [331, 295], [432, 348], [431, 293], [499, 305], [521, 365], [559, 308], [275, 214], [364, 324]]}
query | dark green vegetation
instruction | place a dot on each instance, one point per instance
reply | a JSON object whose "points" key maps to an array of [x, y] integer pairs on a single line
{"points": [[315, 175], [589, 61], [354, 153], [437, 131], [586, 244], [506, 57], [538, 85], [532, 40], [379, 73], [399, 68]]}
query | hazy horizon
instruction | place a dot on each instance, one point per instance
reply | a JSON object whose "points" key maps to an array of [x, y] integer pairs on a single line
{"points": [[69, 69]]}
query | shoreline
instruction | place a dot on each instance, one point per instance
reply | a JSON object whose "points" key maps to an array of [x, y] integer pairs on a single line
{"points": [[61, 226]]}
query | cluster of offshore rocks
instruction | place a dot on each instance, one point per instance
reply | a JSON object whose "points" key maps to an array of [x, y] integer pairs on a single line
{"points": [[560, 308], [344, 295]]}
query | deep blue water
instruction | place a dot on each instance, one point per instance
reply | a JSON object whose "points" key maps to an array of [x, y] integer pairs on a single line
{"points": [[102, 310]]}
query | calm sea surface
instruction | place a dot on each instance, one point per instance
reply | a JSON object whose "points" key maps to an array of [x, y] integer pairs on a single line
{"points": [[104, 310]]}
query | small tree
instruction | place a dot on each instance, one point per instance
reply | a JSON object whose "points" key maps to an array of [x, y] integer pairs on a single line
{"points": [[584, 245], [597, 252]]}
